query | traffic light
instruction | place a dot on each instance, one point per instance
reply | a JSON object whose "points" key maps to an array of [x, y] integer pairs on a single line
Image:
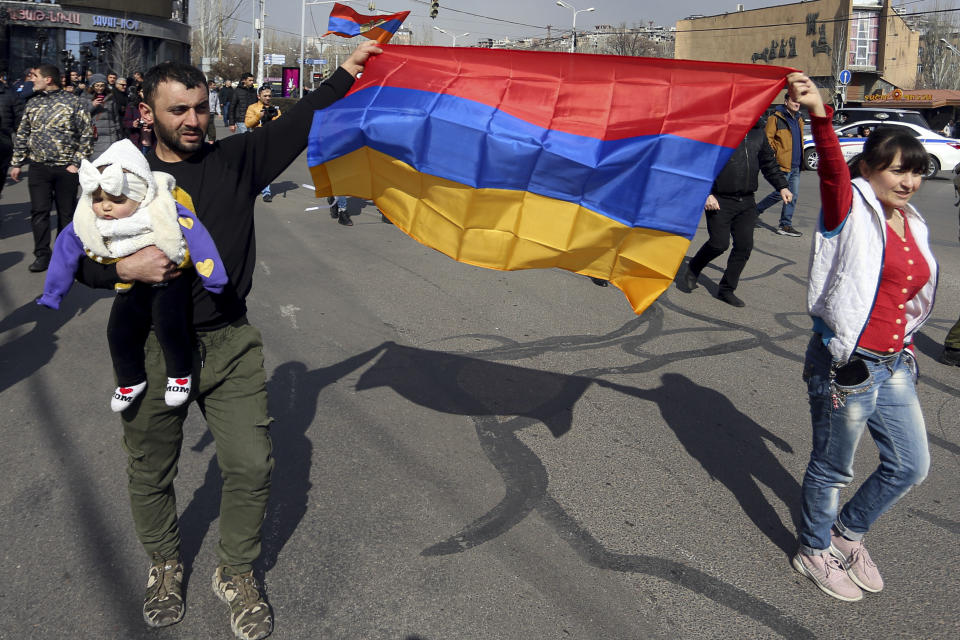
{"points": [[434, 8]]}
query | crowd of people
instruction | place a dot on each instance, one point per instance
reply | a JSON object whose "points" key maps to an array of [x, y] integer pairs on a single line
{"points": [[189, 279], [112, 107]]}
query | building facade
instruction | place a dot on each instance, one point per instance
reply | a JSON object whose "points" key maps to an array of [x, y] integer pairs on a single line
{"points": [[820, 37], [95, 35]]}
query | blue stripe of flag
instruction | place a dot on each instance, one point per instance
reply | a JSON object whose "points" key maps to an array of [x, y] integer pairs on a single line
{"points": [[640, 182]]}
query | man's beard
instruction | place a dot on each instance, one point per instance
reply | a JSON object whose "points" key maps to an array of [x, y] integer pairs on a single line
{"points": [[171, 139]]}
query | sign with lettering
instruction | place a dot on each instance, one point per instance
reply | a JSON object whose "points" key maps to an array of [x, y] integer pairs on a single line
{"points": [[898, 96], [785, 49], [39, 15], [113, 22], [821, 45]]}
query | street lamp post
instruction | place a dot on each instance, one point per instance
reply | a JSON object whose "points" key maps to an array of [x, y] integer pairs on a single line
{"points": [[262, 35], [573, 34], [952, 48], [454, 36]]}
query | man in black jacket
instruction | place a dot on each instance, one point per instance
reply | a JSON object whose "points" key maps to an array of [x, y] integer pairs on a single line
{"points": [[221, 183], [243, 96], [10, 111], [226, 99], [731, 209]]}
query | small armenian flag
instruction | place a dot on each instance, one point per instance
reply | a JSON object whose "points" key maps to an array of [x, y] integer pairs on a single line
{"points": [[346, 22]]}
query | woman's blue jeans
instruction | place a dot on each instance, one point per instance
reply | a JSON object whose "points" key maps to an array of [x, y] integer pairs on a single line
{"points": [[885, 403]]}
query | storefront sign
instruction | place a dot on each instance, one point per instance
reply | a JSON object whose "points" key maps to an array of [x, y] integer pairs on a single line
{"points": [[25, 14], [113, 22], [898, 96], [38, 15]]}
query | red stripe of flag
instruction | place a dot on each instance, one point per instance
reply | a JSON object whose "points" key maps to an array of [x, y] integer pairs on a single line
{"points": [[640, 96]]}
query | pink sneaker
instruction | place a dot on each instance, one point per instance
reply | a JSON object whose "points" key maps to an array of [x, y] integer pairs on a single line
{"points": [[827, 573], [857, 562]]}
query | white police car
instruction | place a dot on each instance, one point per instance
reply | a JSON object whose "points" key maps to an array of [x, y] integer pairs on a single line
{"points": [[944, 151], [849, 115]]}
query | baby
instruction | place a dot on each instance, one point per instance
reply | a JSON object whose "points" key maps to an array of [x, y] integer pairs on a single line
{"points": [[124, 207]]}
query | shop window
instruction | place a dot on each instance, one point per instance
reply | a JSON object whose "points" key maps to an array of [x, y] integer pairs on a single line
{"points": [[864, 35], [76, 43], [24, 49]]}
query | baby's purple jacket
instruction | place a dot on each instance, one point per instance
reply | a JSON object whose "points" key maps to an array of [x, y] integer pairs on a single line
{"points": [[68, 251]]}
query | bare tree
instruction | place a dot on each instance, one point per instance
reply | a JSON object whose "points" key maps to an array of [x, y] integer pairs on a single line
{"points": [[939, 58], [235, 60], [838, 61], [126, 55], [212, 29], [665, 48], [631, 41]]}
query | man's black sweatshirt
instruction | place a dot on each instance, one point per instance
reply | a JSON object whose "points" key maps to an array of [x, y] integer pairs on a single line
{"points": [[224, 180], [738, 178], [242, 98]]}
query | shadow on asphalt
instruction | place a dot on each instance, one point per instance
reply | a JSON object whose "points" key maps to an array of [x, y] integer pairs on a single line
{"points": [[280, 189], [10, 259], [707, 424], [487, 391], [927, 345], [728, 444], [466, 386], [15, 220], [292, 393], [74, 487], [731, 448], [355, 206], [26, 354]]}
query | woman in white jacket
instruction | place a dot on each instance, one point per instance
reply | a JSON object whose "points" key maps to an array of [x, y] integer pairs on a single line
{"points": [[871, 286]]}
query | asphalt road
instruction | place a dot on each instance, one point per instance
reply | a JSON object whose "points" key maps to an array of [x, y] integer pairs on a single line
{"points": [[466, 454]]}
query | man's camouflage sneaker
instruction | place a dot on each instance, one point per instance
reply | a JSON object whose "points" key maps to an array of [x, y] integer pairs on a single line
{"points": [[250, 615], [163, 604]]}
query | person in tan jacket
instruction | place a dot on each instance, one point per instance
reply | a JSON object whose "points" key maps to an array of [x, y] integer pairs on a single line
{"points": [[785, 133], [258, 114]]}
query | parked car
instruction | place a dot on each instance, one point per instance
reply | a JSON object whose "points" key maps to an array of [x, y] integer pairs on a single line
{"points": [[849, 115], [944, 151]]}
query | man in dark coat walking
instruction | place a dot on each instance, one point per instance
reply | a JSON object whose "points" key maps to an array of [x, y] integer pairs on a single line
{"points": [[10, 110], [731, 210], [243, 96], [226, 98]]}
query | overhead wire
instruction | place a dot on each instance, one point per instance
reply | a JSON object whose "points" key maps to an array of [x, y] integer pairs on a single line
{"points": [[477, 15], [700, 30]]}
